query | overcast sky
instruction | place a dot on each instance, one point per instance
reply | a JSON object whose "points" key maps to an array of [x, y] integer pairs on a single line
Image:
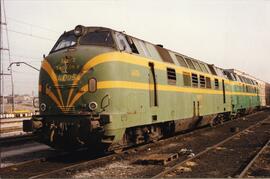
{"points": [[227, 33]]}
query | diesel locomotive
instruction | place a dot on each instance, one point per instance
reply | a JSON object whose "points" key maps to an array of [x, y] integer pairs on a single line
{"points": [[106, 90]]}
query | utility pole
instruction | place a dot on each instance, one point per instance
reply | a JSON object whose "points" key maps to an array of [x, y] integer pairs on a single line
{"points": [[1, 80], [2, 74]]}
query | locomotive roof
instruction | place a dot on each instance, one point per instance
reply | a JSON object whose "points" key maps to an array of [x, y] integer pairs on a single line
{"points": [[177, 53]]}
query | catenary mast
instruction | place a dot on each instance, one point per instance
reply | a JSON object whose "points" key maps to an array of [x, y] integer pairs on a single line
{"points": [[3, 22]]}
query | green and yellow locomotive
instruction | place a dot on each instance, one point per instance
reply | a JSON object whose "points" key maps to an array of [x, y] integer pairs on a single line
{"points": [[103, 89]]}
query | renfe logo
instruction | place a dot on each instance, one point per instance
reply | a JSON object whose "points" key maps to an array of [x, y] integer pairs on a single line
{"points": [[67, 65]]}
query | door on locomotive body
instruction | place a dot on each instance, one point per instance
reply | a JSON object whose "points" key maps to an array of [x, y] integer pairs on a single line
{"points": [[224, 91], [152, 86], [153, 95]]}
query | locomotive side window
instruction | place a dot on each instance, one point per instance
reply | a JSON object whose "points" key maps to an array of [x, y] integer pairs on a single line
{"points": [[208, 82], [190, 64], [237, 77], [97, 38], [164, 54], [241, 79], [132, 45], [213, 71], [186, 79], [145, 49], [228, 74], [181, 61], [65, 41], [122, 42], [219, 72], [171, 75], [204, 69], [194, 80], [153, 51], [139, 47], [197, 66], [216, 84], [202, 81]]}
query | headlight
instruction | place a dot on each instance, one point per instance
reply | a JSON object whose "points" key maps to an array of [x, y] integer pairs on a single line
{"points": [[92, 85], [92, 105], [78, 31], [43, 106]]}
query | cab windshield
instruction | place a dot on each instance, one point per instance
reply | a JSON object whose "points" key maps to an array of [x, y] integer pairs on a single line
{"points": [[65, 41], [103, 38], [97, 38]]}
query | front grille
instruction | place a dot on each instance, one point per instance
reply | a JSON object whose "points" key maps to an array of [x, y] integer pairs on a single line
{"points": [[67, 109]]}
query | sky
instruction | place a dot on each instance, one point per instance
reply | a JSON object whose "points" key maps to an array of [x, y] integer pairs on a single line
{"points": [[227, 33]]}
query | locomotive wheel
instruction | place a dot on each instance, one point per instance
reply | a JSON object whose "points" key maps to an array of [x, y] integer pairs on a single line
{"points": [[215, 122]]}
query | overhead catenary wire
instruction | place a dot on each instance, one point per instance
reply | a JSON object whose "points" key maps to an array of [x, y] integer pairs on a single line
{"points": [[29, 34], [33, 25], [36, 59]]}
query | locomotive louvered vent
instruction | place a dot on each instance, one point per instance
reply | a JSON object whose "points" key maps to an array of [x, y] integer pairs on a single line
{"points": [[202, 81], [171, 75], [187, 79], [194, 80], [216, 84], [208, 82]]}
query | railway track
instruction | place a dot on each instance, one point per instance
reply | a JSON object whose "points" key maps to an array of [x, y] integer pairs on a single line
{"points": [[254, 167], [14, 140], [210, 163], [73, 164], [11, 121], [10, 129]]}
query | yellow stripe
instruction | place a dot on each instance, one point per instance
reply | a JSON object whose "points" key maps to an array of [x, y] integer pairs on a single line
{"points": [[243, 94], [83, 90], [47, 67], [53, 97], [146, 86]]}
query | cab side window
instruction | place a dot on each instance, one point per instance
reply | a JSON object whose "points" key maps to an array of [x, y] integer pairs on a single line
{"points": [[122, 43]]}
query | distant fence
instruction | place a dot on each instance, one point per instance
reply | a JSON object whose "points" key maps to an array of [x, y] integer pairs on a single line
{"points": [[18, 114]]}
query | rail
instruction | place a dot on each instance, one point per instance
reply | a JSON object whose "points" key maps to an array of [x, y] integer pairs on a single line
{"points": [[248, 166]]}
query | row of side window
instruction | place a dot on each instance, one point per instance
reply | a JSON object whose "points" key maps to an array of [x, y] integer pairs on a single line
{"points": [[133, 45], [235, 77], [191, 79]]}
